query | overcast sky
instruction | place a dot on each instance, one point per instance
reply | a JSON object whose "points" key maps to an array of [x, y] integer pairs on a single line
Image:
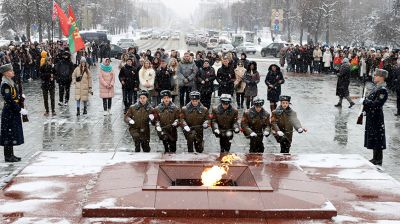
{"points": [[183, 8]]}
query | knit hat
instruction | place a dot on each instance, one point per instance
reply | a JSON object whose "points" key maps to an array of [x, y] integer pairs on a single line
{"points": [[83, 59]]}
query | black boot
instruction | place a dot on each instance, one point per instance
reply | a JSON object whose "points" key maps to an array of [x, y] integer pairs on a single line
{"points": [[338, 105], [379, 157], [373, 157], [84, 110], [78, 111], [9, 155]]}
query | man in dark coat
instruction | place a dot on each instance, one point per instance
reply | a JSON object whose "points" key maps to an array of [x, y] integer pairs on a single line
{"points": [[396, 75], [48, 85], [374, 137], [167, 120], [342, 86], [129, 78], [274, 80], [226, 78], [224, 121], [11, 123], [163, 79], [284, 120], [138, 117], [256, 124], [194, 118], [205, 79], [64, 69]]}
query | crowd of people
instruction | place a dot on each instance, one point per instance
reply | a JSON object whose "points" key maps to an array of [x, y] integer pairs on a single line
{"points": [[153, 83]]}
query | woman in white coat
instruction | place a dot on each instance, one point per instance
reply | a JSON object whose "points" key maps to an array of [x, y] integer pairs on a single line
{"points": [[327, 60], [147, 77]]}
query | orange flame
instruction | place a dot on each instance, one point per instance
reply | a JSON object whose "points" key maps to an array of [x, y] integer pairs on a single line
{"points": [[212, 176]]}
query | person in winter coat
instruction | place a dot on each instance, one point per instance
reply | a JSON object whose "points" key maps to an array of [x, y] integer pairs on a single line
{"points": [[244, 60], [374, 137], [167, 120], [327, 60], [138, 117], [64, 69], [106, 82], [256, 124], [284, 120], [205, 79], [173, 67], [396, 75], [239, 84], [11, 123], [317, 55], [82, 80], [224, 122], [147, 77], [194, 118], [129, 78], [216, 66], [251, 78], [186, 75], [226, 78], [274, 80], [163, 79], [342, 87], [48, 85]]}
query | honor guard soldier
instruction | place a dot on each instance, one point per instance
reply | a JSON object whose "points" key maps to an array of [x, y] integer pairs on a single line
{"points": [[375, 137], [255, 124], [167, 120], [138, 117], [224, 121], [283, 121], [194, 118]]}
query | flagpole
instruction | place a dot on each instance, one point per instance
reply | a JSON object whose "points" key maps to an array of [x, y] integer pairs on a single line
{"points": [[52, 32]]}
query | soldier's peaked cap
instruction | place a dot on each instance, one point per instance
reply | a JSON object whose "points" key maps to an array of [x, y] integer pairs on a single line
{"points": [[194, 95], [143, 93], [166, 93], [225, 98], [382, 72], [258, 101], [285, 98]]}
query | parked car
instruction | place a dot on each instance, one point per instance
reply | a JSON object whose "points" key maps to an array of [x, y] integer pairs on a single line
{"points": [[246, 47], [155, 35], [164, 36], [192, 41], [224, 48], [145, 35], [116, 51], [125, 41], [212, 43], [126, 45], [96, 36], [176, 36], [272, 49]]}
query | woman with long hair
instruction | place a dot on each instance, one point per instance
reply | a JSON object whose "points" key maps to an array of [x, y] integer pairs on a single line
{"points": [[106, 82], [82, 79], [251, 78], [173, 66], [147, 77]]}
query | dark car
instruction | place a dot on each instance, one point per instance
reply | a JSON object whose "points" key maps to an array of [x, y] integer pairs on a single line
{"points": [[96, 36], [192, 41], [116, 51], [272, 49]]}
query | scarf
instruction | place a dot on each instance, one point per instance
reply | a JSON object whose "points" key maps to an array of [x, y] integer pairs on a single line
{"points": [[106, 68], [8, 81]]}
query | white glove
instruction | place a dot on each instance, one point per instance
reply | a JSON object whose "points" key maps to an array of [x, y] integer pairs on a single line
{"points": [[216, 131], [253, 134], [280, 133], [131, 121], [24, 111], [186, 128], [300, 130], [158, 128], [202, 82], [237, 130], [266, 133], [205, 124], [23, 96], [151, 116], [175, 123], [361, 101]]}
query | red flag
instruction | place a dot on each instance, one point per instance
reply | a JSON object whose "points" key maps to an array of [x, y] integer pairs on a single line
{"points": [[75, 39], [64, 22]]}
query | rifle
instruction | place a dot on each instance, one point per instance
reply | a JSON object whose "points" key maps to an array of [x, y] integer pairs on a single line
{"points": [[361, 114]]}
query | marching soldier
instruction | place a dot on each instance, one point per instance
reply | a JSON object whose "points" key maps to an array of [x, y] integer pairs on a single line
{"points": [[375, 138], [138, 117], [225, 122], [283, 121], [167, 119], [194, 117], [255, 124]]}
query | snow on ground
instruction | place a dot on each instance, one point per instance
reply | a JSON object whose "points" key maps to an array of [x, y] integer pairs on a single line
{"points": [[346, 219], [389, 210], [24, 206], [331, 160], [106, 203], [361, 174], [26, 220], [40, 189]]}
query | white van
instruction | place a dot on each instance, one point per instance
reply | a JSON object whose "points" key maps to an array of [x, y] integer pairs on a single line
{"points": [[212, 43]]}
